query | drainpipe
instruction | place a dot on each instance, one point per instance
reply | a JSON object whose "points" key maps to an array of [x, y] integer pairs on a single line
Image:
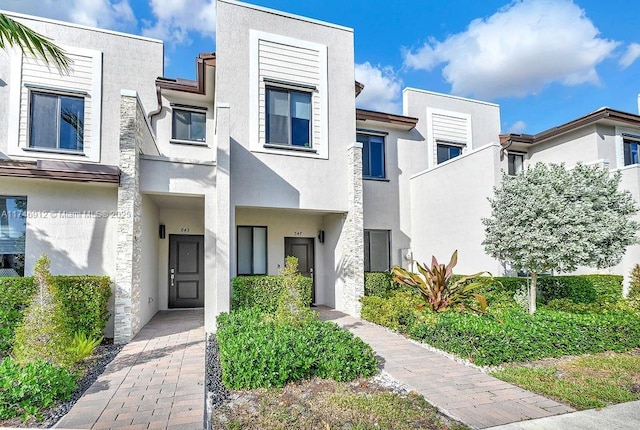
{"points": [[150, 115]]}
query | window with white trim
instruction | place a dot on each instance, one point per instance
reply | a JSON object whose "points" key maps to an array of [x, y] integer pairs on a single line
{"points": [[189, 125], [447, 151], [288, 115], [377, 250], [56, 121], [252, 250]]}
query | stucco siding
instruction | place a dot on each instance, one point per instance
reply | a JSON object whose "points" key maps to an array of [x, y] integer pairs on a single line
{"points": [[581, 145]]}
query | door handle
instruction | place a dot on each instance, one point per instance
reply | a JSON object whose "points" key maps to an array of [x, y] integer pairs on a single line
{"points": [[173, 277]]}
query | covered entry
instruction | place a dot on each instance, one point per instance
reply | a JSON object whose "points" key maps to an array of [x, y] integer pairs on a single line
{"points": [[186, 271], [303, 249]]}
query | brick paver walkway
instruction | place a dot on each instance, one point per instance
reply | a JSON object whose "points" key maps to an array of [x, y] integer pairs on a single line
{"points": [[155, 382], [464, 393]]}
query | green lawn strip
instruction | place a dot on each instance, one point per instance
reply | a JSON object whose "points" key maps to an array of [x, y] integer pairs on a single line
{"points": [[328, 404], [584, 382]]}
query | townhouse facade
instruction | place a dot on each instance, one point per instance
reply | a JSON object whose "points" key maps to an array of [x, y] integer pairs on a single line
{"points": [[172, 187]]}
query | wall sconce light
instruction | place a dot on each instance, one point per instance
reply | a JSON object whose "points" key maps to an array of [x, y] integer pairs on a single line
{"points": [[321, 236], [162, 231]]}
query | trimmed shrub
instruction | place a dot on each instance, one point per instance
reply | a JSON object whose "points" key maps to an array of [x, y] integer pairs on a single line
{"points": [[83, 298], [397, 311], [378, 283], [43, 332], [257, 352], [27, 390], [263, 291]]}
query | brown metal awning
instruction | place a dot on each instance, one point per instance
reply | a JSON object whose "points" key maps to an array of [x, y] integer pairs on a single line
{"points": [[61, 171]]}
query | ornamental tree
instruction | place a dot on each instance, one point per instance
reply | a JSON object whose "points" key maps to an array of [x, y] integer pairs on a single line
{"points": [[550, 218]]}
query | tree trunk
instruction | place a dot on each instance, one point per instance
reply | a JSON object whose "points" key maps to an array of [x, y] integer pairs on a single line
{"points": [[532, 293]]}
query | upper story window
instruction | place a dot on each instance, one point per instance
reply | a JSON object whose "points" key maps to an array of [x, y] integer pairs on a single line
{"points": [[516, 163], [373, 156], [189, 125], [631, 147], [288, 117], [448, 151], [56, 121]]}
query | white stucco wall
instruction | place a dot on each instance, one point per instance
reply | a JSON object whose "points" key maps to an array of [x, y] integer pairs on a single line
{"points": [[577, 146], [149, 286], [128, 62], [448, 202], [286, 179]]}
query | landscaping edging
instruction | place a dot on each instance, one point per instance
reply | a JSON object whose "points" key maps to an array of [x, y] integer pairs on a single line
{"points": [[215, 391]]}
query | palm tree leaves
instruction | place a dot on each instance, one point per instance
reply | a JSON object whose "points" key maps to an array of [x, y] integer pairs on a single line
{"points": [[13, 33]]}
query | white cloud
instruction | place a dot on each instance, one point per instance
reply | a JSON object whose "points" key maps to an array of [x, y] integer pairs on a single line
{"points": [[517, 127], [381, 88], [631, 55], [115, 15], [176, 18], [519, 50]]}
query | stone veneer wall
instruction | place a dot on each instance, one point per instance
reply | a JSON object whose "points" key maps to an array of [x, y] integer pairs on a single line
{"points": [[352, 230], [127, 284]]}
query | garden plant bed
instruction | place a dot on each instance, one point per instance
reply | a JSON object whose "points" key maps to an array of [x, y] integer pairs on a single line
{"points": [[584, 382], [366, 403], [90, 369]]}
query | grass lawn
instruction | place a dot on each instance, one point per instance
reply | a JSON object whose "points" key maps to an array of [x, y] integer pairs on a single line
{"points": [[584, 382], [326, 404]]}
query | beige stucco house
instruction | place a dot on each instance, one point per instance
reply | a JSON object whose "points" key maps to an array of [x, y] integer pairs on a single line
{"points": [[173, 187]]}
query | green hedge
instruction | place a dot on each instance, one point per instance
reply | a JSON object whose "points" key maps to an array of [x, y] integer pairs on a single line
{"points": [[263, 291], [578, 288], [84, 299], [257, 352]]}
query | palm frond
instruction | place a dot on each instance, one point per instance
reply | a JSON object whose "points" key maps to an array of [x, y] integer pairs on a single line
{"points": [[13, 33]]}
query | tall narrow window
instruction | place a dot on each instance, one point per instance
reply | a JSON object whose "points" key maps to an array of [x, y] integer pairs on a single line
{"points": [[252, 250], [631, 147], [373, 156], [56, 121], [189, 125], [447, 152], [288, 117], [516, 163], [13, 227], [377, 255]]}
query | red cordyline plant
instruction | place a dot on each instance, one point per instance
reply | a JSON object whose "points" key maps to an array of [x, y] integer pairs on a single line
{"points": [[436, 287]]}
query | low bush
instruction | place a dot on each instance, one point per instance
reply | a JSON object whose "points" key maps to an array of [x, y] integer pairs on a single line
{"points": [[379, 284], [256, 352], [397, 311], [263, 291], [27, 390], [9, 320]]}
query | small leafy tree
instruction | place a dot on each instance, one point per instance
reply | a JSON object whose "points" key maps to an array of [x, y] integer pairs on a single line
{"points": [[550, 218], [634, 283], [436, 288], [42, 334], [292, 308]]}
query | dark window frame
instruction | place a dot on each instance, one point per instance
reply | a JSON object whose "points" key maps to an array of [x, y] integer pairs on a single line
{"points": [[191, 112], [367, 249], [627, 144], [365, 139], [448, 145], [60, 96], [288, 91], [511, 167], [5, 216], [266, 250]]}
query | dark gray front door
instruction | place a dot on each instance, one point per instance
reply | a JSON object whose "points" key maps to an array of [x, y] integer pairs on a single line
{"points": [[302, 249], [186, 271]]}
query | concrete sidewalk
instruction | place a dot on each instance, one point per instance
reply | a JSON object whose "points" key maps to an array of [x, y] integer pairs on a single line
{"points": [[461, 392], [625, 416], [155, 382]]}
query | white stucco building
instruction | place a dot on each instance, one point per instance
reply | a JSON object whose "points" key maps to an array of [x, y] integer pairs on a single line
{"points": [[173, 187]]}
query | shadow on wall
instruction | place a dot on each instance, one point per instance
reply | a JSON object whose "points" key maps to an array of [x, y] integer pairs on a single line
{"points": [[261, 186]]}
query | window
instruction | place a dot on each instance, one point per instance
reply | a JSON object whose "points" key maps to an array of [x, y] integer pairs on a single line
{"points": [[56, 121], [447, 152], [288, 117], [516, 163], [252, 250], [189, 125], [377, 256], [373, 164], [13, 227], [631, 151]]}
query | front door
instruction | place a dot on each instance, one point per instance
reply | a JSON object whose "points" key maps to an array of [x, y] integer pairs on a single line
{"points": [[186, 271], [302, 249]]}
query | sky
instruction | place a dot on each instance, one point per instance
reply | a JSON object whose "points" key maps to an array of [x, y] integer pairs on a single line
{"points": [[545, 62]]}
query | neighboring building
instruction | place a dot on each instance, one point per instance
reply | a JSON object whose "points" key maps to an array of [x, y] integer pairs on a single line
{"points": [[173, 187]]}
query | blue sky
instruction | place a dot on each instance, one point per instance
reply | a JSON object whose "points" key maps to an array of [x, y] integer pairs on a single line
{"points": [[545, 62]]}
